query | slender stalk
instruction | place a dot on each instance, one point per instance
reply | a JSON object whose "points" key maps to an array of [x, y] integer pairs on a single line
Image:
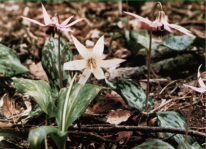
{"points": [[66, 102], [190, 108], [149, 57], [45, 139]]}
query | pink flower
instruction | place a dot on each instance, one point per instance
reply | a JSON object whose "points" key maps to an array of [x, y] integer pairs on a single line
{"points": [[54, 21], [202, 88], [161, 23]]}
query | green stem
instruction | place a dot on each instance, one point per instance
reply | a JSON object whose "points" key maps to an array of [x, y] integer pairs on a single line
{"points": [[149, 57], [190, 108], [66, 102]]}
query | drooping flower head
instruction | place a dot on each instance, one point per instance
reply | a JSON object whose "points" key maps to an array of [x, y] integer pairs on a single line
{"points": [[54, 21], [161, 22], [92, 61], [202, 88]]}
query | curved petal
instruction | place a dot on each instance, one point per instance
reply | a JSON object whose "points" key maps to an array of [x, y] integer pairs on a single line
{"points": [[34, 21], [200, 90], [99, 47], [111, 63], [65, 29], [98, 73], [181, 29], [138, 17], [83, 79], [47, 19], [81, 48], [75, 65], [78, 20], [200, 80], [66, 21]]}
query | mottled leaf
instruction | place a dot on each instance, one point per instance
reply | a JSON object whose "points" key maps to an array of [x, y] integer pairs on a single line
{"points": [[177, 42], [37, 135], [174, 119], [183, 145], [10, 64], [50, 62], [79, 100], [154, 144], [40, 91], [131, 92]]}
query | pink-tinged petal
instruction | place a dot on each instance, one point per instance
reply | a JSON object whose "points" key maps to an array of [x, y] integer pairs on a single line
{"points": [[76, 21], [98, 73], [47, 19], [34, 21], [75, 65], [138, 17], [81, 48], [166, 27], [181, 29], [200, 80], [110, 63], [99, 47], [83, 79], [200, 90], [66, 21], [65, 29]]}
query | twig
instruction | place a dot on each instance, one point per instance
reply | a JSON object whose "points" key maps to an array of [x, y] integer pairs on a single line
{"points": [[142, 129], [167, 86], [161, 106]]}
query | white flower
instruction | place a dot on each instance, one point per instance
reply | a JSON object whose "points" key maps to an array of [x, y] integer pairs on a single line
{"points": [[92, 61], [202, 88]]}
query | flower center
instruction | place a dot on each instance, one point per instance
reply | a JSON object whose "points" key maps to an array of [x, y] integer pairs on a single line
{"points": [[92, 63]]}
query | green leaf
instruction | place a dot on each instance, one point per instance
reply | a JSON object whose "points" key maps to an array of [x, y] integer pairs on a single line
{"points": [[50, 62], [10, 64], [12, 133], [139, 40], [174, 119], [177, 42], [154, 144], [37, 135], [40, 91], [131, 92], [182, 145], [79, 100]]}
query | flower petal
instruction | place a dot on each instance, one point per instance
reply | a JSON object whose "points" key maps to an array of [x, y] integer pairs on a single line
{"points": [[138, 17], [83, 79], [66, 21], [110, 63], [181, 29], [99, 47], [34, 21], [75, 65], [200, 80], [47, 19], [200, 90], [81, 48], [98, 73], [76, 21]]}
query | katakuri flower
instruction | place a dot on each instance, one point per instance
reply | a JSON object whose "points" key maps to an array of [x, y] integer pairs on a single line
{"points": [[161, 23], [54, 21], [202, 88], [92, 61]]}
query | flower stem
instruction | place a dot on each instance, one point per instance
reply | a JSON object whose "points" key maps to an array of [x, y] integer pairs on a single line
{"points": [[66, 102], [149, 57], [190, 108]]}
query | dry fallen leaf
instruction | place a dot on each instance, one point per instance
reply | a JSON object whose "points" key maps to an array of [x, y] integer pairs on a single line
{"points": [[8, 107], [118, 116], [123, 134]]}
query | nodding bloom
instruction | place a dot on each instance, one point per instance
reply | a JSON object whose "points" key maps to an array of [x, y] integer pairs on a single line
{"points": [[92, 61], [54, 21], [161, 23], [202, 88]]}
